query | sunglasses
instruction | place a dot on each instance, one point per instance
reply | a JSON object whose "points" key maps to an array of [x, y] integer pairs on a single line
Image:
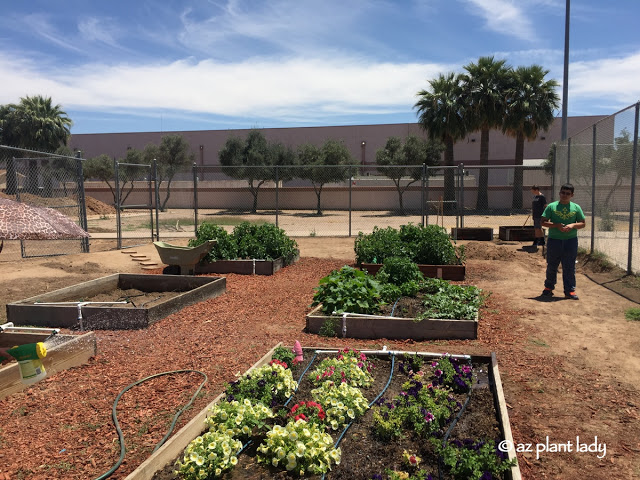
{"points": [[564, 192]]}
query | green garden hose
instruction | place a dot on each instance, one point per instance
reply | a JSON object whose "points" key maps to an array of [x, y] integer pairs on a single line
{"points": [[173, 423]]}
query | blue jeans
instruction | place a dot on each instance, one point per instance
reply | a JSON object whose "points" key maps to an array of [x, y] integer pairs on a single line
{"points": [[565, 252]]}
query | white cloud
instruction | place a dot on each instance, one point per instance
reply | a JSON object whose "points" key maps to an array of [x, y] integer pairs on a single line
{"points": [[267, 88], [505, 17]]}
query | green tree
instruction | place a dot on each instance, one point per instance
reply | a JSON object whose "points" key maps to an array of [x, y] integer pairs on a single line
{"points": [[441, 113], [35, 124], [402, 162], [322, 165], [254, 159], [531, 104], [172, 156], [485, 87], [102, 168]]}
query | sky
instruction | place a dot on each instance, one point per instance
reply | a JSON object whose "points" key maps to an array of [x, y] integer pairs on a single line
{"points": [[178, 65]]}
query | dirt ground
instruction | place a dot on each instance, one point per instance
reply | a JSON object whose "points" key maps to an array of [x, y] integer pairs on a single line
{"points": [[569, 368]]}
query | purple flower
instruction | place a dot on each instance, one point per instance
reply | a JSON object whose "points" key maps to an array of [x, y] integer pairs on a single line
{"points": [[429, 417], [438, 373]]}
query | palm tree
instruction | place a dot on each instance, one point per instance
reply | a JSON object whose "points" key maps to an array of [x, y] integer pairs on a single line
{"points": [[40, 125], [531, 102], [441, 115], [485, 85], [35, 124]]}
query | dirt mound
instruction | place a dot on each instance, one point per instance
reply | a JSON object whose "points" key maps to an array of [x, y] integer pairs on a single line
{"points": [[488, 251], [96, 207]]}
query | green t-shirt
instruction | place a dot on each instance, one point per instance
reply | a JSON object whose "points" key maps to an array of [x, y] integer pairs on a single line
{"points": [[557, 212]]}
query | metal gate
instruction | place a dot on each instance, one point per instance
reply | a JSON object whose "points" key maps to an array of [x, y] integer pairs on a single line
{"points": [[136, 203]]}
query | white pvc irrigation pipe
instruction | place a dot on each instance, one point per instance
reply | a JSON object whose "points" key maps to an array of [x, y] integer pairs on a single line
{"points": [[80, 305], [9, 327], [384, 351]]}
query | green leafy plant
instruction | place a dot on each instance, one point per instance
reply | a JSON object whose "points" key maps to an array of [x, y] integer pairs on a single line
{"points": [[632, 314], [473, 460], [248, 240], [429, 245], [400, 277], [270, 384], [224, 249], [299, 447], [347, 290], [284, 354], [328, 328], [445, 300], [238, 419], [450, 372], [208, 455], [423, 409], [342, 403]]}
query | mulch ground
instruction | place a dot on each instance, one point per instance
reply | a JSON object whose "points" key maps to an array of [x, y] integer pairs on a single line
{"points": [[61, 428]]}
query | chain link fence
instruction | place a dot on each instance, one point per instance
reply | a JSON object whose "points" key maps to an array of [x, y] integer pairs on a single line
{"points": [[43, 180], [601, 163]]}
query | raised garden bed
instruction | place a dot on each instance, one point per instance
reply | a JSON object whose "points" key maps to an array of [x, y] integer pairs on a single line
{"points": [[470, 233], [163, 295], [381, 326], [516, 234], [63, 351], [481, 415], [244, 267], [445, 272]]}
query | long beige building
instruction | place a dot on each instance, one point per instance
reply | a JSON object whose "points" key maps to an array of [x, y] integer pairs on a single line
{"points": [[362, 140]]}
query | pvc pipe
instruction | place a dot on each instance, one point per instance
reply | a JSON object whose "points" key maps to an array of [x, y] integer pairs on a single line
{"points": [[4, 326], [80, 305], [384, 351]]}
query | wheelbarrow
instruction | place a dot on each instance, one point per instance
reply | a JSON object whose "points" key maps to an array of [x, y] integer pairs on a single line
{"points": [[186, 258]]}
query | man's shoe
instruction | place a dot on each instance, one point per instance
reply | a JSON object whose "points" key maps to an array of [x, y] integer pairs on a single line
{"points": [[572, 296], [547, 292]]}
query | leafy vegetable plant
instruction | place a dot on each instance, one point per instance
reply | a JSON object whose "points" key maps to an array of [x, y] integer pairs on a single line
{"points": [[347, 290]]}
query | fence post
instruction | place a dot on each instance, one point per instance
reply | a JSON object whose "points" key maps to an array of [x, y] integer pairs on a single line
{"points": [[461, 199], [82, 202], [593, 190], [426, 194], [195, 197], [554, 172], [117, 202], [350, 190], [152, 195], [569, 160], [276, 195], [424, 168], [633, 190]]}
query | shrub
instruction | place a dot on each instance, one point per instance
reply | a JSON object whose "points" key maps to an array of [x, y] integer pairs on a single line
{"points": [[285, 355], [347, 290], [224, 249], [400, 277], [248, 240], [428, 245]]}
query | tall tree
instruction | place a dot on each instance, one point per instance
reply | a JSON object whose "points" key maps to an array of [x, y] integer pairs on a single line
{"points": [[254, 159], [441, 113], [172, 156], [322, 165], [531, 103], [402, 162], [485, 87], [34, 123]]}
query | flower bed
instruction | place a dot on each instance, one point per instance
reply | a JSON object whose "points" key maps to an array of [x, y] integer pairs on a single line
{"points": [[385, 415]]}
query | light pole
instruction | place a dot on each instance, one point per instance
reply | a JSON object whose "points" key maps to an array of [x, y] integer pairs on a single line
{"points": [[565, 77]]}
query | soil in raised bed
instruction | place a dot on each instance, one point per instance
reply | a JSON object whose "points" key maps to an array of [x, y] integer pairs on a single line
{"points": [[363, 455], [135, 298]]}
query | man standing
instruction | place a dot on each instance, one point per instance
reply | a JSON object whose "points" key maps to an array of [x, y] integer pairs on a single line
{"points": [[537, 207], [563, 219]]}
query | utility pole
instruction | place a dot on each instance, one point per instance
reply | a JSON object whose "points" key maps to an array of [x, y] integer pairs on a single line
{"points": [[565, 77]]}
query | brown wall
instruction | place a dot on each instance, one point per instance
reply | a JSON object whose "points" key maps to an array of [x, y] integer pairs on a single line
{"points": [[207, 143]]}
